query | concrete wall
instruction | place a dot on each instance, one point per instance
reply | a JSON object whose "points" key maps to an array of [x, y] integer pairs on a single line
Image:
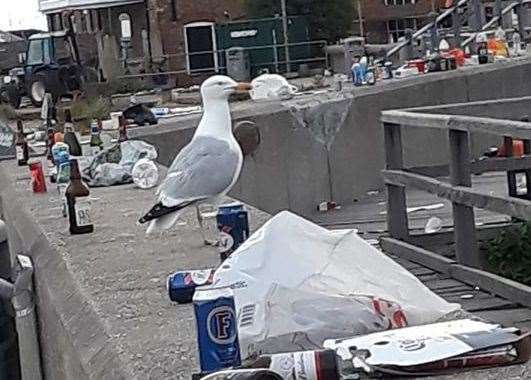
{"points": [[292, 169], [74, 344]]}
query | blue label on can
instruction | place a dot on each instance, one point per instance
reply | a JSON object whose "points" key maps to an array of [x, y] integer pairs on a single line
{"points": [[181, 285], [233, 226], [217, 334]]}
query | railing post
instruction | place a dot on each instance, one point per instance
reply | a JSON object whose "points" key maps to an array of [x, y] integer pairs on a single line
{"points": [[498, 8], [466, 246], [478, 19], [511, 175], [521, 13], [397, 221], [456, 21]]}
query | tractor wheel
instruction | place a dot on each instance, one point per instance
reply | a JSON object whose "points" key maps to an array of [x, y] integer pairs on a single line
{"points": [[10, 94], [37, 89]]}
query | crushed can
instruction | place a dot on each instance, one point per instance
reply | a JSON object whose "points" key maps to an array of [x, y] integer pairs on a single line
{"points": [[217, 329], [181, 285], [233, 227]]}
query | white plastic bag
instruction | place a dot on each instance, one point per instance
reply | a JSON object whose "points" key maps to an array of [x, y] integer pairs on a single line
{"points": [[296, 284]]}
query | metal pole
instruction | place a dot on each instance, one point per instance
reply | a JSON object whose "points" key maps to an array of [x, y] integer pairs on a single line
{"points": [[478, 20], [285, 31], [360, 19], [499, 8]]}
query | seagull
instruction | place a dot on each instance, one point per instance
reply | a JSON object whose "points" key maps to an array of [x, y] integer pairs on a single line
{"points": [[208, 167]]}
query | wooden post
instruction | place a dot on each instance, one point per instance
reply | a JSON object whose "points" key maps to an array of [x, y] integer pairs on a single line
{"points": [[511, 175], [397, 221], [466, 246]]}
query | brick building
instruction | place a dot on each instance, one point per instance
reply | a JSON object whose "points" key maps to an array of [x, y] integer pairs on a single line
{"points": [[384, 21], [162, 32]]}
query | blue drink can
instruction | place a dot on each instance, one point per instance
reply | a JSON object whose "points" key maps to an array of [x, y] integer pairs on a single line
{"points": [[181, 285], [217, 330], [233, 227]]}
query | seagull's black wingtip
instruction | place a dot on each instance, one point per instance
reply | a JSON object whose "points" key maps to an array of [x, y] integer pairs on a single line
{"points": [[160, 210]]}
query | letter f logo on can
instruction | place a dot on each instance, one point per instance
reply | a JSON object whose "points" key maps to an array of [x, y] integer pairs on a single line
{"points": [[221, 325]]}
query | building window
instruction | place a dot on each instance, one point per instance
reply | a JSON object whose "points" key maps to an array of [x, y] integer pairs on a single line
{"points": [[397, 28], [399, 2]]}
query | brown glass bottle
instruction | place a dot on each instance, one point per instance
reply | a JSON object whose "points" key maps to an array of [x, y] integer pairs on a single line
{"points": [[122, 129], [21, 145], [310, 365], [70, 137], [76, 198]]}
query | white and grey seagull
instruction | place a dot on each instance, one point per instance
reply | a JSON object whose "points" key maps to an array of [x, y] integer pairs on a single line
{"points": [[208, 167]]}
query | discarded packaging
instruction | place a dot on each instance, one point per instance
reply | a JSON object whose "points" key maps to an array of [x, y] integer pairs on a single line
{"points": [[271, 87], [114, 166], [435, 347], [145, 173], [433, 225], [297, 284]]}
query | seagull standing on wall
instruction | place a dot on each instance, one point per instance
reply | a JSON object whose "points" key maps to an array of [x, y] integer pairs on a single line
{"points": [[208, 167]]}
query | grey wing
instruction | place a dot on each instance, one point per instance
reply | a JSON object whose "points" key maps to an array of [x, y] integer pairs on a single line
{"points": [[204, 168]]}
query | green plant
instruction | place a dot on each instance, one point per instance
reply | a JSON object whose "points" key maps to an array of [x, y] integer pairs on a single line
{"points": [[91, 108], [510, 253], [7, 112]]}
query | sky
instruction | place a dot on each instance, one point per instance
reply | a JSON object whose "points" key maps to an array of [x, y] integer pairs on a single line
{"points": [[21, 14]]}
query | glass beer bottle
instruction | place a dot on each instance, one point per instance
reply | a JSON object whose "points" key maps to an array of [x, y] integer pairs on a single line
{"points": [[70, 137], [21, 145], [77, 202]]}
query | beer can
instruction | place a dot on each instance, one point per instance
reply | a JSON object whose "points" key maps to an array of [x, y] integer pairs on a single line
{"points": [[233, 227], [217, 330], [181, 285], [38, 182]]}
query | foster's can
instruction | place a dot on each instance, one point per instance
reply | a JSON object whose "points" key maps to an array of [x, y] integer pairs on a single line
{"points": [[233, 227], [217, 330], [181, 285]]}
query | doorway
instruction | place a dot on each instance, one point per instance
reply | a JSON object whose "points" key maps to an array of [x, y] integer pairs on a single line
{"points": [[200, 45]]}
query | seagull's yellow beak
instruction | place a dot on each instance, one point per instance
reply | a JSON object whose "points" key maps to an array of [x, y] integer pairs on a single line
{"points": [[243, 87]]}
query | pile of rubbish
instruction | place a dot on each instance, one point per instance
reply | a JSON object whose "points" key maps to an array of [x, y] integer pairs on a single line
{"points": [[298, 298], [488, 48]]}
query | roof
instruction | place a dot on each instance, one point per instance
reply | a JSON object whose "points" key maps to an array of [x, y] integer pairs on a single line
{"points": [[39, 36], [9, 37], [49, 6]]}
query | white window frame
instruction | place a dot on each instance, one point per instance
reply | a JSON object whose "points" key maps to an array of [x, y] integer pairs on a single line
{"points": [[396, 30], [214, 43]]}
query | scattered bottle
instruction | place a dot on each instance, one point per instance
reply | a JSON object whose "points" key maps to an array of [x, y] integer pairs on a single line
{"points": [[50, 141], [482, 49], [22, 148], [70, 137], [122, 129], [96, 144], [370, 76], [77, 202], [309, 365]]}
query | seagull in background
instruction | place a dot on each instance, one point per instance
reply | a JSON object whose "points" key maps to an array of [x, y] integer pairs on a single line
{"points": [[208, 167]]}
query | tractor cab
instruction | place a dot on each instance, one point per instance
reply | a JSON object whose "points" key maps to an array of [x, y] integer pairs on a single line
{"points": [[52, 65]]}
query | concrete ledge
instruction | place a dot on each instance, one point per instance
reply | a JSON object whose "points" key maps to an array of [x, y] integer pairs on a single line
{"points": [[102, 303], [71, 333]]}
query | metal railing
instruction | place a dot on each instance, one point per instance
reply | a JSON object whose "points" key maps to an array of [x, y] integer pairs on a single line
{"points": [[459, 190], [450, 12], [220, 54]]}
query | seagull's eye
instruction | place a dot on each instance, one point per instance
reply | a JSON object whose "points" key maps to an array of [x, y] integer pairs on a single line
{"points": [[220, 83]]}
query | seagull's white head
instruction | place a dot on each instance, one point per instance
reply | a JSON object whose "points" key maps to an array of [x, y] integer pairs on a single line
{"points": [[220, 87]]}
